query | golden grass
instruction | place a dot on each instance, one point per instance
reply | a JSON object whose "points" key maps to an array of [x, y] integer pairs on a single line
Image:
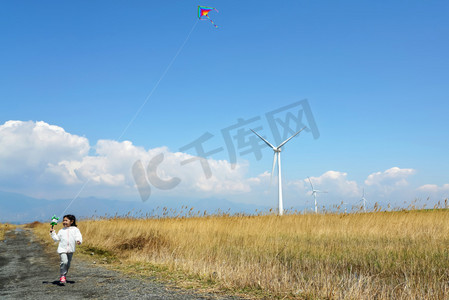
{"points": [[378, 255]]}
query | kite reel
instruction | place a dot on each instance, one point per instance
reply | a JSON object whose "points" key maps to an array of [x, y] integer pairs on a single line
{"points": [[54, 221]]}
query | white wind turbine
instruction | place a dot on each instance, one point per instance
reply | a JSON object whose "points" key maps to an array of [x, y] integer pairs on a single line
{"points": [[363, 200], [277, 155], [314, 194]]}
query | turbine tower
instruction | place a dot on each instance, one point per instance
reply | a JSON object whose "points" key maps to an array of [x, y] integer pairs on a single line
{"points": [[314, 194], [277, 156]]}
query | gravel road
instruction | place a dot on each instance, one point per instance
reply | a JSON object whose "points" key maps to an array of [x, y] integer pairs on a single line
{"points": [[27, 271]]}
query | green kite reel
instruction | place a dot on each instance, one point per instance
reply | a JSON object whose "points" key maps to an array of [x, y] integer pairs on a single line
{"points": [[54, 221]]}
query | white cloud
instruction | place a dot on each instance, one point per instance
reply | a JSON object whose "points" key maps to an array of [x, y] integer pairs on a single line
{"points": [[389, 186], [337, 182], [299, 185], [391, 178], [46, 158], [334, 182], [428, 188], [43, 160], [28, 147], [261, 178], [434, 188]]}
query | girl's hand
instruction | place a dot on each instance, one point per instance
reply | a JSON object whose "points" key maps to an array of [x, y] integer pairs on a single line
{"points": [[51, 230]]}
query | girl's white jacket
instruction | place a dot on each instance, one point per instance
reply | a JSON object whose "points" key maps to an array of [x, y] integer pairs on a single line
{"points": [[67, 237]]}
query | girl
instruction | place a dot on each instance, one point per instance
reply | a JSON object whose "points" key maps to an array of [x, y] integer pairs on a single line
{"points": [[68, 237]]}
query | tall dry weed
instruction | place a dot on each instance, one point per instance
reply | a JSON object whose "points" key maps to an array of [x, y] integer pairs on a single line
{"points": [[4, 227]]}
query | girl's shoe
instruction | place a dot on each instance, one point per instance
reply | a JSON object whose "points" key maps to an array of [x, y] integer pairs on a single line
{"points": [[62, 279]]}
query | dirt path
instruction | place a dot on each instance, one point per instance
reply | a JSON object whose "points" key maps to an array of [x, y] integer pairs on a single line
{"points": [[29, 272]]}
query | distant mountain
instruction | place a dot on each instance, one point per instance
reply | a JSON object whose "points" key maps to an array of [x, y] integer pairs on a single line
{"points": [[19, 209]]}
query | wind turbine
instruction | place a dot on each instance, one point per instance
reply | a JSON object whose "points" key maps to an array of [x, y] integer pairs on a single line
{"points": [[277, 155], [363, 200], [314, 194]]}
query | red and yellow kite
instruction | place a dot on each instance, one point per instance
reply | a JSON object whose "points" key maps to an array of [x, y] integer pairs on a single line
{"points": [[203, 13]]}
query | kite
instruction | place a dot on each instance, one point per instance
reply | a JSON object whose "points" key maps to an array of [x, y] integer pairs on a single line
{"points": [[203, 12]]}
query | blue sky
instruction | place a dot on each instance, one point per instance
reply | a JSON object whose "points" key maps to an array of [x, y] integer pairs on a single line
{"points": [[375, 74]]}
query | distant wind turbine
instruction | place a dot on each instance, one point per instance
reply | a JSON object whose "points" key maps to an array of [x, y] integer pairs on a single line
{"points": [[363, 200], [277, 155], [314, 194]]}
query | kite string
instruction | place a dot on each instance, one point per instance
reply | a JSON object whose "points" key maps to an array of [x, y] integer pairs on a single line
{"points": [[158, 82], [77, 195], [141, 106]]}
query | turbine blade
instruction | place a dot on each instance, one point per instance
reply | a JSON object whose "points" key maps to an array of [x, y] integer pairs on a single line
{"points": [[274, 164], [310, 183], [266, 142], [283, 143]]}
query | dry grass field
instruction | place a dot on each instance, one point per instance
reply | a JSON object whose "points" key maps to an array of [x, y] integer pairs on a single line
{"points": [[375, 255]]}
